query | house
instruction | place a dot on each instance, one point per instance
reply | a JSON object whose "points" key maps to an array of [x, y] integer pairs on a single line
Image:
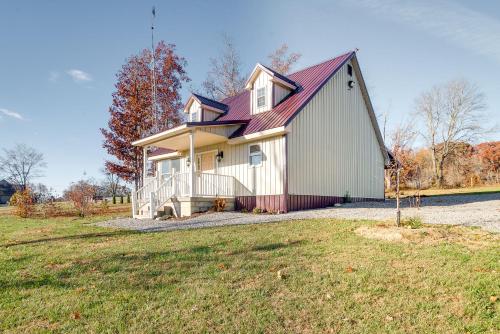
{"points": [[301, 141], [6, 191]]}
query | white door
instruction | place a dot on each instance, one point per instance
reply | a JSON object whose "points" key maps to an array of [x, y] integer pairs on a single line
{"points": [[205, 180]]}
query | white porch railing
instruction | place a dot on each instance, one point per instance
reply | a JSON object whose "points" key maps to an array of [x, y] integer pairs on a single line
{"points": [[158, 190], [207, 184]]}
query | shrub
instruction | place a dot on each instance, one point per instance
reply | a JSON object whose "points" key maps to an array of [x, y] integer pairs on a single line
{"points": [[23, 201], [104, 206], [412, 222], [256, 210], [50, 209], [347, 197], [82, 194], [220, 204]]}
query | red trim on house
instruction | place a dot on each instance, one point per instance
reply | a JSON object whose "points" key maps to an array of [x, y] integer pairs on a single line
{"points": [[269, 203], [282, 203]]}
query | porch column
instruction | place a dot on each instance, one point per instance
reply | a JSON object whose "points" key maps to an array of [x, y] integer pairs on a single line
{"points": [[191, 165], [144, 164]]}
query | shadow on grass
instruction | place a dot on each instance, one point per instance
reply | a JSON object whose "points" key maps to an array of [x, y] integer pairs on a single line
{"points": [[69, 237]]}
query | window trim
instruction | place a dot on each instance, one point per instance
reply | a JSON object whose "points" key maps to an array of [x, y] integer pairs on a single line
{"points": [[263, 89], [250, 155]]}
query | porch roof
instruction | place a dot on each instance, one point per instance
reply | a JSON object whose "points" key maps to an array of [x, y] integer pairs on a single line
{"points": [[177, 139]]}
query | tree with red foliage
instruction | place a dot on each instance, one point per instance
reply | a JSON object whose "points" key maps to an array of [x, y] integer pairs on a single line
{"points": [[132, 115], [489, 155]]}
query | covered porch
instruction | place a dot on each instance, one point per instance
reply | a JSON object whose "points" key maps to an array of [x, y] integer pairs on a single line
{"points": [[194, 184]]}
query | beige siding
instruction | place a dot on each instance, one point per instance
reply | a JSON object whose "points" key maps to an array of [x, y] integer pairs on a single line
{"points": [[332, 147], [267, 179], [225, 131], [209, 115], [262, 80], [194, 108], [279, 93]]}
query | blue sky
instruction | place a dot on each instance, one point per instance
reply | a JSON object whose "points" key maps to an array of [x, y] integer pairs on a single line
{"points": [[59, 58]]}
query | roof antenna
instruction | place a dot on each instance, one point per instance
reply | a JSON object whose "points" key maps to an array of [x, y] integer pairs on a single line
{"points": [[153, 75]]}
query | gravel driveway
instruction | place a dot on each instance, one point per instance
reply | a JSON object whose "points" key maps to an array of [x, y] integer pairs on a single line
{"points": [[469, 210]]}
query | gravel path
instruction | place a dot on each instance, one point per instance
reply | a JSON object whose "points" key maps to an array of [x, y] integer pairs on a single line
{"points": [[468, 210]]}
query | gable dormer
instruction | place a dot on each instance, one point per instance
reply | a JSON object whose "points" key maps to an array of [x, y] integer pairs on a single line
{"points": [[267, 88], [201, 109]]}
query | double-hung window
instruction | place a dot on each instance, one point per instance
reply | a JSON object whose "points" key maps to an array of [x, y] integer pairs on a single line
{"points": [[261, 97], [255, 156]]}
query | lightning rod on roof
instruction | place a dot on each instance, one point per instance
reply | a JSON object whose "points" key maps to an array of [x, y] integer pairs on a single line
{"points": [[153, 75]]}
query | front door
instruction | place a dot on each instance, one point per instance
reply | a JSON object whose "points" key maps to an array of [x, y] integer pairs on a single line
{"points": [[205, 162], [205, 166]]}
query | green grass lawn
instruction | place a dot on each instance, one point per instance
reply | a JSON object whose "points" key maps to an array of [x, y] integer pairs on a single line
{"points": [[65, 275]]}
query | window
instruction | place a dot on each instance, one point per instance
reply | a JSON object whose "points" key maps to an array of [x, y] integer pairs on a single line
{"points": [[255, 156], [194, 116], [168, 165], [261, 97], [349, 70]]}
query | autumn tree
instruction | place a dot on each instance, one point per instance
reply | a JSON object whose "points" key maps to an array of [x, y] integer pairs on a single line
{"points": [[81, 194], [488, 154], [402, 138], [224, 79], [282, 61], [132, 114], [21, 165], [451, 113]]}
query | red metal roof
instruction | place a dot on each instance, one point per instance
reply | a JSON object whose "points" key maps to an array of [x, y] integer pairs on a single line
{"points": [[310, 80]]}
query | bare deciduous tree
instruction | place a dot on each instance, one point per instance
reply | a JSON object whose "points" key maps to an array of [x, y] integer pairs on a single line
{"points": [[281, 61], [21, 165], [224, 79], [111, 182], [452, 113]]}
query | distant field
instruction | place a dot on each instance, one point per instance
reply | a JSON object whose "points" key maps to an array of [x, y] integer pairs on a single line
{"points": [[451, 191], [68, 208], [65, 275]]}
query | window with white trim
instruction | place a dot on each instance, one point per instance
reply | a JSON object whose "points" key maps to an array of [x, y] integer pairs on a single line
{"points": [[194, 116], [261, 97], [255, 155]]}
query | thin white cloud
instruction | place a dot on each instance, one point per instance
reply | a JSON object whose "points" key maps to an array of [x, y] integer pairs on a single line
{"points": [[79, 75], [11, 113], [53, 76], [466, 28]]}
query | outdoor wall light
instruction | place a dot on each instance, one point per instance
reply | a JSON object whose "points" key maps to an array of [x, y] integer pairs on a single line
{"points": [[351, 84], [188, 161], [220, 156]]}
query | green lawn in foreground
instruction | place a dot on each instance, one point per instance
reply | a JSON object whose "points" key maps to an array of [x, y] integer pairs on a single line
{"points": [[64, 275]]}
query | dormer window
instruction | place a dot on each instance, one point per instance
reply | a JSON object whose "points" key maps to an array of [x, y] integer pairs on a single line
{"points": [[267, 89], [200, 108], [261, 97], [194, 116]]}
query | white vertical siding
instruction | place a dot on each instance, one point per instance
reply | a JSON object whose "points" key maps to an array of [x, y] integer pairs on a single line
{"points": [[262, 80], [332, 146], [267, 179], [195, 107]]}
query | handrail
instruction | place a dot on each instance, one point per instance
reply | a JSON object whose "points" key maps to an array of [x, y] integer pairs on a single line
{"points": [[164, 192], [144, 192]]}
